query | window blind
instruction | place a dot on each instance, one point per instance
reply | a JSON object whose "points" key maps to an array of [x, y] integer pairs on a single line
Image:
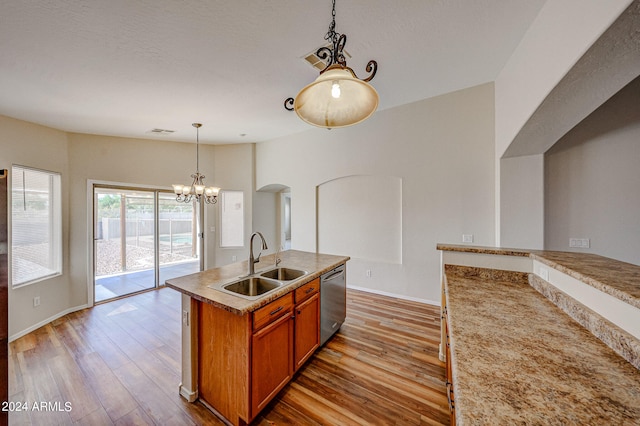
{"points": [[36, 243]]}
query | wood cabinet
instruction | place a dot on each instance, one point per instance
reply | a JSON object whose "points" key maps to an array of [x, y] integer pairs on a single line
{"points": [[271, 351], [244, 361], [307, 322]]}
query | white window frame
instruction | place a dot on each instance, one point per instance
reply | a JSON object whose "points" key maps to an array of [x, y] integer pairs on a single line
{"points": [[54, 268], [231, 223]]}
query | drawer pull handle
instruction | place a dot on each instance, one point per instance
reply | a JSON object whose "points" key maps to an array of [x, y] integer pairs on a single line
{"points": [[276, 310], [309, 290]]}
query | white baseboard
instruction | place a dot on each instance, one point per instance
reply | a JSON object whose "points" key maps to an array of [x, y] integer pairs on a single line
{"points": [[397, 296], [188, 394], [46, 321]]}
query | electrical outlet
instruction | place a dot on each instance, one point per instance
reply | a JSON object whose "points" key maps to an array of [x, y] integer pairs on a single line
{"points": [[36, 301], [234, 258], [579, 243], [368, 273], [185, 318], [467, 238], [544, 273]]}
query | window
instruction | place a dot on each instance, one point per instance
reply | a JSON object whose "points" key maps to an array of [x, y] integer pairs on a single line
{"points": [[232, 219], [36, 235]]}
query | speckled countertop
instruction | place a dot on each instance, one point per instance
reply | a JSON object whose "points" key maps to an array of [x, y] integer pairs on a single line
{"points": [[616, 278], [519, 359], [197, 285]]}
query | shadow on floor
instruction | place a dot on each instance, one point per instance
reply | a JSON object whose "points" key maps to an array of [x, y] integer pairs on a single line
{"points": [[113, 286]]}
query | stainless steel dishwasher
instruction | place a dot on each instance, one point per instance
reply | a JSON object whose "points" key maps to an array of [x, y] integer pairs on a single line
{"points": [[333, 301]]}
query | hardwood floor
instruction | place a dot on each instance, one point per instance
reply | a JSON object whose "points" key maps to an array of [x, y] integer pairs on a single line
{"points": [[119, 363]]}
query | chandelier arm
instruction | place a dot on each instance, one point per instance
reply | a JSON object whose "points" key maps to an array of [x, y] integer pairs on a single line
{"points": [[325, 53], [288, 104], [337, 50], [372, 67]]}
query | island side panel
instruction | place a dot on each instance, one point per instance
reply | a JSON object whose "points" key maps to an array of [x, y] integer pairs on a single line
{"points": [[189, 386], [223, 361]]}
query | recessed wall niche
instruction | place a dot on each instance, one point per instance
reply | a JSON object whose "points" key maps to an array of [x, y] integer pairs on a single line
{"points": [[361, 216]]}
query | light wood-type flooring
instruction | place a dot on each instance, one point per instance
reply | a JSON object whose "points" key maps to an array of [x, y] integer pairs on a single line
{"points": [[119, 363]]}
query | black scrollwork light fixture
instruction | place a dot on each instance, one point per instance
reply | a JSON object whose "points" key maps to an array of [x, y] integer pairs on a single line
{"points": [[197, 189], [337, 98]]}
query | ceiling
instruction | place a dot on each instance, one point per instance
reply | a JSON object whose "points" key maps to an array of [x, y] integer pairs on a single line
{"points": [[122, 68]]}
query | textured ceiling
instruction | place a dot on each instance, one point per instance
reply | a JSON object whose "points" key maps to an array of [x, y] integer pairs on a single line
{"points": [[120, 67]]}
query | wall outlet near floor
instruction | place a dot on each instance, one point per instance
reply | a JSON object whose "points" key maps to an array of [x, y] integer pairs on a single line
{"points": [[579, 243], [36, 301], [234, 258], [467, 238], [368, 273]]}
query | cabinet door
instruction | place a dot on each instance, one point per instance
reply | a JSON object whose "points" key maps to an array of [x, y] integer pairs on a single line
{"points": [[271, 361], [307, 329]]}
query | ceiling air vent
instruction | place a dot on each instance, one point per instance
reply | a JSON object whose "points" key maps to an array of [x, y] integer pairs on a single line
{"points": [[312, 59], [161, 131]]}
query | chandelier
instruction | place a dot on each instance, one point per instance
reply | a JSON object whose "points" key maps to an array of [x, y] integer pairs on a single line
{"points": [[197, 189], [337, 98]]}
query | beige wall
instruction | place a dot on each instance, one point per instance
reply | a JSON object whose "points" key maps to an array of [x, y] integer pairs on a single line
{"points": [[442, 150], [592, 181], [233, 170], [105, 159], [82, 159], [559, 36], [522, 188], [40, 147]]}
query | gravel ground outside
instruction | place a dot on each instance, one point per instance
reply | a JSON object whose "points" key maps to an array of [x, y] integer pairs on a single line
{"points": [[108, 261]]}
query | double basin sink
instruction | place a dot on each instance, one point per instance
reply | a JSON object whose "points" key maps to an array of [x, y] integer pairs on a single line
{"points": [[261, 283]]}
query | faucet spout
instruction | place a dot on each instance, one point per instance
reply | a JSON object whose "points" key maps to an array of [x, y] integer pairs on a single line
{"points": [[252, 260]]}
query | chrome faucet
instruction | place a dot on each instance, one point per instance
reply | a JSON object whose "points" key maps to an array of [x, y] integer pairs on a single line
{"points": [[252, 260]]}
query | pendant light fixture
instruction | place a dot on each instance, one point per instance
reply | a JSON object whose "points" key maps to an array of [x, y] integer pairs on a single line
{"points": [[337, 98], [197, 189]]}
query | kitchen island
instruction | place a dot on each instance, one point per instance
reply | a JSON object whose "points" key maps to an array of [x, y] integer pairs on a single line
{"points": [[239, 351], [526, 341]]}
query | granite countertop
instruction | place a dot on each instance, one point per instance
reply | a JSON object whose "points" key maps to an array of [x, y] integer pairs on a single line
{"points": [[519, 359], [616, 278], [197, 285]]}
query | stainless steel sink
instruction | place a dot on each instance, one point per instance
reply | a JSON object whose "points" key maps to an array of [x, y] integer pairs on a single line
{"points": [[252, 286], [284, 274]]}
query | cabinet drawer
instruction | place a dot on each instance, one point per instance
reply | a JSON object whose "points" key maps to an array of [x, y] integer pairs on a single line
{"points": [[272, 311], [307, 290]]}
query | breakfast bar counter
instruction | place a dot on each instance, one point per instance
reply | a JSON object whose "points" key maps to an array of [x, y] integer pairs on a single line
{"points": [[516, 356]]}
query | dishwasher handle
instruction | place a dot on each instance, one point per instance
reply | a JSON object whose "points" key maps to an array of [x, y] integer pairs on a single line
{"points": [[333, 275]]}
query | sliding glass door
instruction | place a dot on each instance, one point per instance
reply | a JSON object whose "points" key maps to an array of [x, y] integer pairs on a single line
{"points": [[178, 245], [141, 238]]}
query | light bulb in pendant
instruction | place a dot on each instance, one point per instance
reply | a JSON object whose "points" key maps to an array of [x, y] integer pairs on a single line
{"points": [[335, 90]]}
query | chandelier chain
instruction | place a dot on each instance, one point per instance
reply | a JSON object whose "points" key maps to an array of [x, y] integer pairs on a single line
{"points": [[197, 126]]}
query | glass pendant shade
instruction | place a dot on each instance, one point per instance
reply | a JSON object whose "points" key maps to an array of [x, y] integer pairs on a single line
{"points": [[337, 98]]}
